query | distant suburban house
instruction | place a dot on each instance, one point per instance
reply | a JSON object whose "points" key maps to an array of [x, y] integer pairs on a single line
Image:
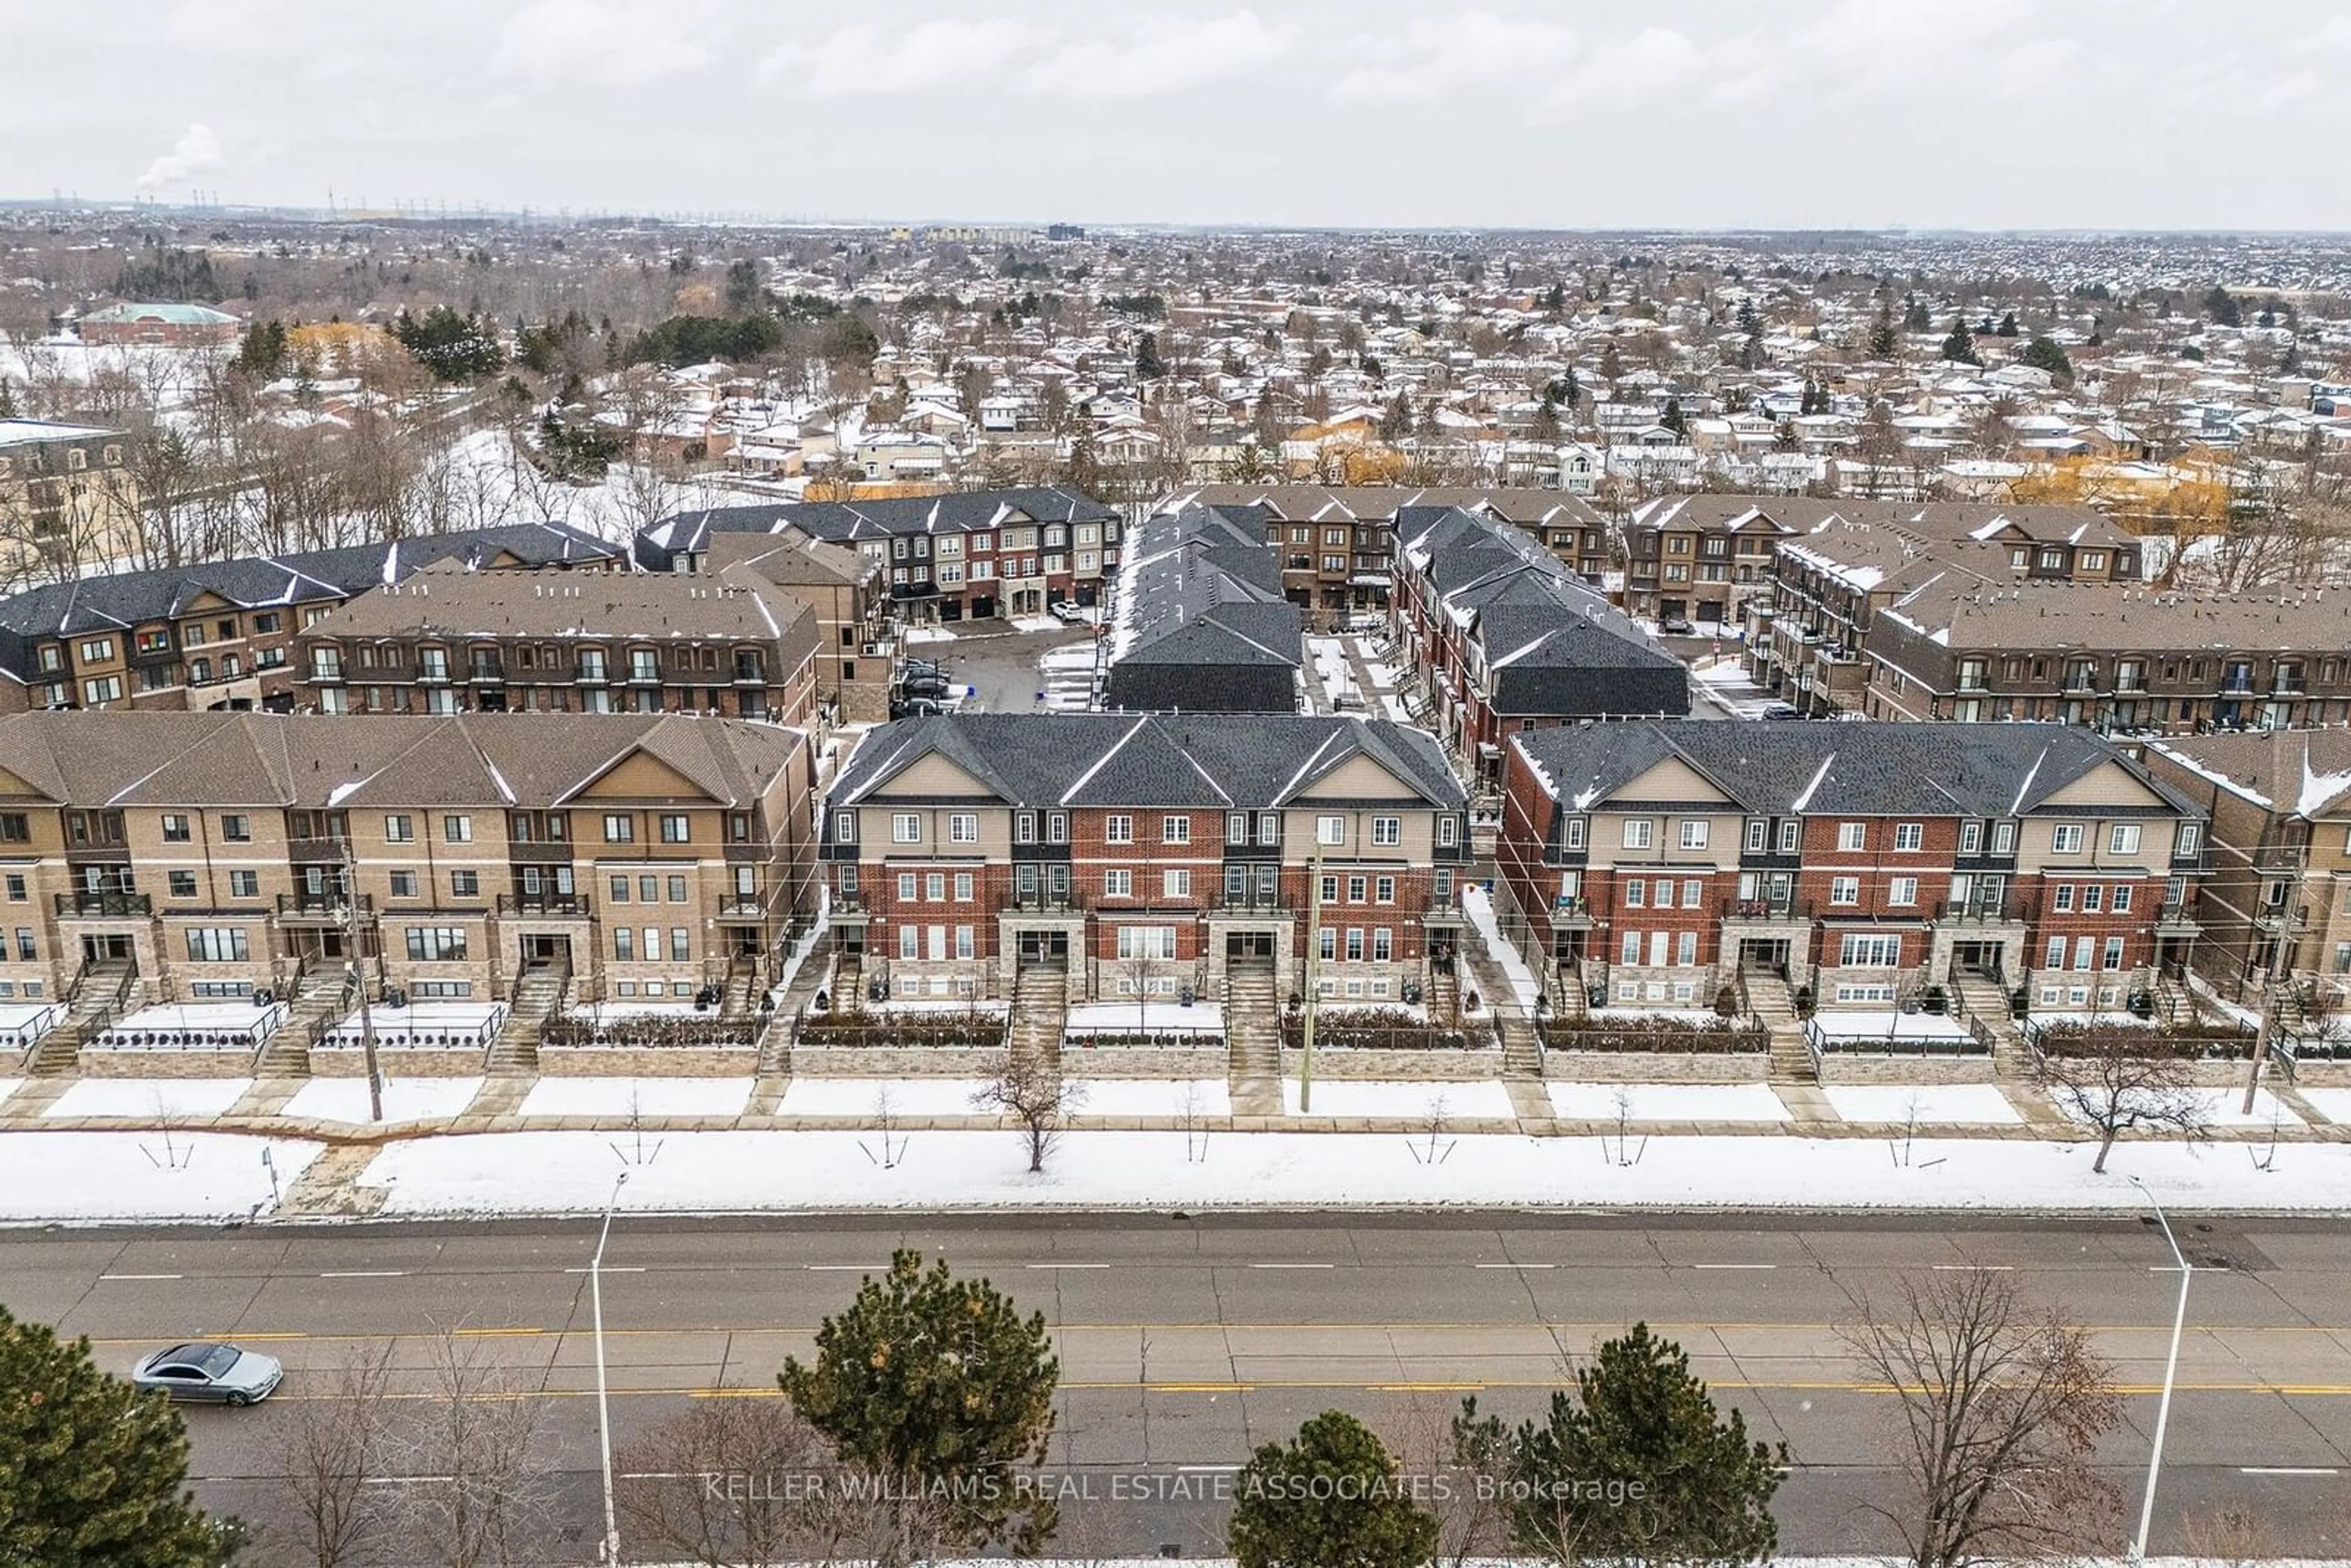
{"points": [[171, 325]]}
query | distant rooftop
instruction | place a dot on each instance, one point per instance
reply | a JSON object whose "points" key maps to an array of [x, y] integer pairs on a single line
{"points": [[176, 314], [27, 432]]}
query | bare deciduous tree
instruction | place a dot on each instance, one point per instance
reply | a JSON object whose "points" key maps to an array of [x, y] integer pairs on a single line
{"points": [[1997, 1408], [479, 1489], [740, 1483], [328, 1448], [1027, 1087], [2114, 1083]]}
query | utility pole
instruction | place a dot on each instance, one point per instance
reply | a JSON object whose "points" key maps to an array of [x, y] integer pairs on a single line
{"points": [[359, 981], [1313, 986]]}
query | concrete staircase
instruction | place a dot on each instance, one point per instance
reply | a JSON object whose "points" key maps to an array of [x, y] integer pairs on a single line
{"points": [[1253, 1037], [740, 994], [1983, 999], [1040, 1006], [318, 999], [537, 995], [1775, 1008], [94, 1008]]}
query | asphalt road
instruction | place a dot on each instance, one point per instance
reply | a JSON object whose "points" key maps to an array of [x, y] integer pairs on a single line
{"points": [[1184, 1342]]}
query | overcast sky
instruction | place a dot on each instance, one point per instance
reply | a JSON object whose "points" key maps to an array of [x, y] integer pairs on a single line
{"points": [[1685, 113]]}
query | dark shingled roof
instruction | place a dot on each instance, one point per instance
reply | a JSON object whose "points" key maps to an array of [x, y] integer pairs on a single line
{"points": [[1200, 620], [849, 522]]}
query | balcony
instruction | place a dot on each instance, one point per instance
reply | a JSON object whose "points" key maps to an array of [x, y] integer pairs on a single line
{"points": [[1253, 901], [321, 906], [326, 674], [750, 675], [589, 676], [1571, 913], [1781, 908], [486, 672], [547, 904], [1043, 901], [2176, 918], [1979, 911], [108, 903], [2296, 919], [433, 675], [644, 675]]}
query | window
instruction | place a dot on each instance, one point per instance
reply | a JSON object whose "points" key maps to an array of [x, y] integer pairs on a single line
{"points": [[1024, 828], [1268, 828], [620, 828], [624, 942], [963, 886], [436, 944], [98, 650], [1693, 893], [1909, 837], [1636, 894], [105, 689], [2123, 839], [182, 883], [399, 830], [2062, 901], [1970, 838], [1845, 890], [1383, 945], [2190, 834], [1448, 830], [2114, 954], [15, 827], [27, 949], [1329, 890], [1236, 827], [620, 887], [1853, 835], [1629, 951], [1686, 949], [216, 945], [1383, 890], [1330, 830], [1355, 944], [674, 828], [18, 890], [457, 830], [1118, 829], [677, 886], [908, 883], [1573, 837], [404, 884], [1757, 836], [681, 944], [1791, 836], [935, 886], [1902, 892], [1870, 952], [1174, 829], [1640, 832], [905, 828], [648, 890], [1056, 827], [175, 829], [237, 829], [2083, 951], [1694, 831], [465, 885], [1118, 883], [2066, 839], [2056, 953], [1176, 883], [2093, 896], [1356, 887], [2122, 898], [1387, 832], [1148, 941]]}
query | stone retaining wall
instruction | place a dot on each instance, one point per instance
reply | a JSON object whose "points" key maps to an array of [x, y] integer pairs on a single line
{"points": [[1407, 1066], [94, 1061], [1657, 1066], [351, 1062], [649, 1061], [965, 1062], [1878, 1067], [2327, 1074]]}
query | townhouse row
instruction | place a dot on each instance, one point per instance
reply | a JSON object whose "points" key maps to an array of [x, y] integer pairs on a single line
{"points": [[218, 854]]}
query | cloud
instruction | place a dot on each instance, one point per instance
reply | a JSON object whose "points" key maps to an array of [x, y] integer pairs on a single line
{"points": [[1432, 58], [1163, 54], [1632, 71], [863, 60], [196, 151], [605, 43]]}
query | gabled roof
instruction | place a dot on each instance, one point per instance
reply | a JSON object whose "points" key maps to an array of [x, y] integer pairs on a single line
{"points": [[851, 522]]}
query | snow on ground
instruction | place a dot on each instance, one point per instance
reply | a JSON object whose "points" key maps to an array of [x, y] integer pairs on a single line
{"points": [[860, 1097], [1669, 1102], [1867, 1026], [1117, 1018], [405, 1099], [1479, 907], [1724, 672], [572, 1172], [1414, 1102], [1383, 675], [1397, 710], [1036, 623], [1149, 1096], [9, 1086], [2221, 1109], [928, 634], [145, 1175], [150, 1097], [1977, 1104], [2335, 1104], [616, 1097]]}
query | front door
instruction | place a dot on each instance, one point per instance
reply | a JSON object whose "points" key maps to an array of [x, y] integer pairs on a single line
{"points": [[1249, 944], [109, 945], [541, 948], [1043, 947]]}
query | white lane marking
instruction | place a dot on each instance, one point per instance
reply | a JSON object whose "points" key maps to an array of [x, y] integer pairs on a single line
{"points": [[1734, 1265], [848, 1268], [405, 1481], [1975, 1268], [142, 1276], [612, 1269], [1068, 1265], [1207, 1469], [1294, 1265], [2288, 1470], [363, 1274], [1514, 1265]]}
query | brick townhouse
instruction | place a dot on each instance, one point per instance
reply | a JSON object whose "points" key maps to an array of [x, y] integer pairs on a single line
{"points": [[647, 855], [1498, 638], [220, 634], [449, 640], [2112, 658], [1662, 862], [969, 556], [67, 501], [857, 646], [1336, 544], [1122, 853], [1700, 558]]}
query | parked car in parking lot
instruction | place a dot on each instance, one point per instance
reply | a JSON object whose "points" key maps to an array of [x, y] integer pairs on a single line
{"points": [[1068, 610], [207, 1370], [1674, 625], [1780, 710]]}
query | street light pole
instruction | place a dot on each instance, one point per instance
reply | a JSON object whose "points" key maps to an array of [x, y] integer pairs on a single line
{"points": [[611, 1555], [2170, 1369]]}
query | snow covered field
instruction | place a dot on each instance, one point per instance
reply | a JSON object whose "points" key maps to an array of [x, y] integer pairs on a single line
{"points": [[1976, 1104], [861, 1096], [405, 1099], [150, 1097], [1149, 1096], [2220, 1109], [1669, 1102], [1413, 1102], [1125, 1018], [2335, 1104], [619, 1097], [572, 1172], [144, 1175]]}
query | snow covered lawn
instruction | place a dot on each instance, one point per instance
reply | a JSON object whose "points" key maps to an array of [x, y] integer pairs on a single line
{"points": [[150, 1097], [1670, 1101], [1408, 1102], [405, 1099], [2335, 1104], [859, 1097], [1155, 1018], [572, 1172], [134, 1176], [1976, 1104], [1881, 1026], [1149, 1096], [616, 1098], [2220, 1109]]}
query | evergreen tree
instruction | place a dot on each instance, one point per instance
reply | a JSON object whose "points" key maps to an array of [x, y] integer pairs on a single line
{"points": [[939, 1386], [2289, 364], [261, 356], [1082, 472], [1639, 1465], [1959, 347], [2045, 353], [7, 399], [1556, 300], [1329, 1498], [2222, 308], [2008, 325], [1570, 392], [454, 348], [1611, 365], [1884, 342], [1673, 419], [1546, 424], [1914, 319], [1147, 363], [93, 1473], [745, 292], [1395, 423]]}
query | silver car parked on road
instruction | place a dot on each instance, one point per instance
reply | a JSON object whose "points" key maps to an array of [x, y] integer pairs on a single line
{"points": [[207, 1370]]}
